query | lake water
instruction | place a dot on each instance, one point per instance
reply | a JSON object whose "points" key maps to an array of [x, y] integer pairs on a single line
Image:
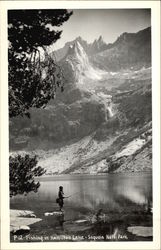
{"points": [[114, 193]]}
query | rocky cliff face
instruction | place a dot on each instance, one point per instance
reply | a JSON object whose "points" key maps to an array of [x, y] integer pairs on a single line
{"points": [[129, 50], [93, 48], [97, 46], [74, 114], [76, 64], [104, 111], [61, 53]]}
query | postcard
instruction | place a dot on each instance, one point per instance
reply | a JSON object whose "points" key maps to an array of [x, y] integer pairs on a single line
{"points": [[80, 135]]}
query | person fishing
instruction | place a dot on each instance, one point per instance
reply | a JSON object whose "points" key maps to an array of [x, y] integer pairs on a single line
{"points": [[61, 198]]}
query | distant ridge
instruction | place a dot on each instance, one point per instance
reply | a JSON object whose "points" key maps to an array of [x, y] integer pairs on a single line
{"points": [[129, 50], [90, 48], [139, 43]]}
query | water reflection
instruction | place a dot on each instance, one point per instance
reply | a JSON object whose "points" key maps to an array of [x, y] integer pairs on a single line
{"points": [[110, 192]]}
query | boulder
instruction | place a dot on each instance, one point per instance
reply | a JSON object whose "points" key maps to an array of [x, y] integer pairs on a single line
{"points": [[141, 231], [56, 213], [20, 230], [21, 219]]}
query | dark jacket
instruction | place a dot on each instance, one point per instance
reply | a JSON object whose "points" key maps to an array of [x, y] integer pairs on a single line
{"points": [[61, 197]]}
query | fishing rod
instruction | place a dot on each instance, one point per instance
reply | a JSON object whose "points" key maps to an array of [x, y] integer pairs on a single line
{"points": [[71, 195]]}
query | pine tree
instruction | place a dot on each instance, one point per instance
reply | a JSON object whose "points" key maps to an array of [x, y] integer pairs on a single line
{"points": [[32, 81], [28, 31], [23, 169]]}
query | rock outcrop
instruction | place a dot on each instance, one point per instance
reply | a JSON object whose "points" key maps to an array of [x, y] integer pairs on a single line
{"points": [[20, 221]]}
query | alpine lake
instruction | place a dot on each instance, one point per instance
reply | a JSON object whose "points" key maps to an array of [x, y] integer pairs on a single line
{"points": [[99, 208]]}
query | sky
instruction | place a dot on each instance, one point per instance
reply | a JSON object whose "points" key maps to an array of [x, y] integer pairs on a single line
{"points": [[109, 23]]}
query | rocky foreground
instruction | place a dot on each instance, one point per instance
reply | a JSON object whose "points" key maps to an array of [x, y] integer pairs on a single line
{"points": [[21, 219], [92, 227]]}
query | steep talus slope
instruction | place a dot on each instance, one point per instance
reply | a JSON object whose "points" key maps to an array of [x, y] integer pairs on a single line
{"points": [[130, 129]]}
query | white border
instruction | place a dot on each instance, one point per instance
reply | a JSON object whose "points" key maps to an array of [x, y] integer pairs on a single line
{"points": [[155, 7]]}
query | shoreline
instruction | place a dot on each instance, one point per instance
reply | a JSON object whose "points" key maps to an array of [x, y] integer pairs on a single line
{"points": [[19, 219], [149, 171]]}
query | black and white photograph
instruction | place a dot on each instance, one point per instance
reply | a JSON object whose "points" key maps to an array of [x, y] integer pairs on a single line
{"points": [[80, 125]]}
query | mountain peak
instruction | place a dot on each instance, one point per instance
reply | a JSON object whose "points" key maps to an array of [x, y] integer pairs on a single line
{"points": [[98, 45], [101, 41], [100, 38], [79, 38], [77, 61], [76, 49]]}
